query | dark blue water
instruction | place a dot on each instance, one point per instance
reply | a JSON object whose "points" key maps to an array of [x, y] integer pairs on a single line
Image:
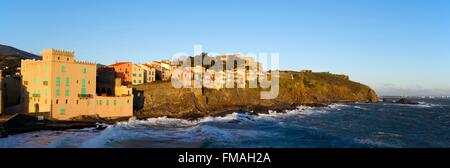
{"points": [[352, 125]]}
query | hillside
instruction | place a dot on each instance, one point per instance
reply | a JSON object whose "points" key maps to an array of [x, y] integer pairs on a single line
{"points": [[10, 56], [296, 88]]}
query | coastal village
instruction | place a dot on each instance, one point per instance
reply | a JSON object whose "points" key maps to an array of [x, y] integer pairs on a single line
{"points": [[60, 87]]}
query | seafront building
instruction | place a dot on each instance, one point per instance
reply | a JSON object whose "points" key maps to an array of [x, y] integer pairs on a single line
{"points": [[132, 73], [59, 87], [109, 83]]}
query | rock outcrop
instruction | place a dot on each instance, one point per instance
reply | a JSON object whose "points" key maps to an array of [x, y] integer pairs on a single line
{"points": [[296, 88], [406, 101]]}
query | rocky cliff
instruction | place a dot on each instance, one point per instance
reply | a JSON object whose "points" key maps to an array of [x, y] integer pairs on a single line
{"points": [[296, 88]]}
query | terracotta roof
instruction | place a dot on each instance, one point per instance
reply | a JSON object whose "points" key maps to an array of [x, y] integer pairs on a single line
{"points": [[120, 63]]}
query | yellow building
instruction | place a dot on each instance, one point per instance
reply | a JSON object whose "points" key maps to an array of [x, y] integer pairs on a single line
{"points": [[149, 73], [138, 75], [59, 87]]}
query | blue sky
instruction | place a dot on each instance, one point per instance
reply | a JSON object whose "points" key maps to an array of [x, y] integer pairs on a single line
{"points": [[395, 46]]}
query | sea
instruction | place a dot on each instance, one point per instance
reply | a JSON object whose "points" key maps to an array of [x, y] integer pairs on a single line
{"points": [[357, 125]]}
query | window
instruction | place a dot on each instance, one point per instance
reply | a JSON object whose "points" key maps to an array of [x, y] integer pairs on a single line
{"points": [[134, 75], [67, 81], [100, 102], [84, 70], [62, 111], [56, 101], [67, 101], [115, 102], [58, 92], [67, 92], [140, 81], [83, 86], [63, 68], [134, 81], [58, 81], [140, 75], [107, 102], [25, 82]]}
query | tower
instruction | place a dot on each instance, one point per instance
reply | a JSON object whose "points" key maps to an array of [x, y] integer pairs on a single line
{"points": [[58, 55]]}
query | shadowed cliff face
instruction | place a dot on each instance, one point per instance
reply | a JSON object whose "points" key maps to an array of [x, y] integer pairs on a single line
{"points": [[296, 88]]}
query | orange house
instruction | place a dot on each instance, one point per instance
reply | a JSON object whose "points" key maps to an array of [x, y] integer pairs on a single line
{"points": [[124, 69], [131, 73]]}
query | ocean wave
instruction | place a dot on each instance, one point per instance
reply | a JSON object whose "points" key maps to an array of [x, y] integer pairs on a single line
{"points": [[222, 128], [372, 142], [47, 139], [429, 105], [360, 108], [419, 105], [338, 106], [162, 122]]}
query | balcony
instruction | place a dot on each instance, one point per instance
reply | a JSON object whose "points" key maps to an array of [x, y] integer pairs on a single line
{"points": [[36, 95], [85, 96]]}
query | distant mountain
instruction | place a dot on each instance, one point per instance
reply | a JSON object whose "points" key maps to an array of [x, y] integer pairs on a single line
{"points": [[11, 51], [10, 56]]}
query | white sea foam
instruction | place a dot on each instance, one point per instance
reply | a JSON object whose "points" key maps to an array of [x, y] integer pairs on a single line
{"points": [[360, 108], [420, 105], [193, 130], [373, 142], [45, 139], [338, 106], [428, 105]]}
